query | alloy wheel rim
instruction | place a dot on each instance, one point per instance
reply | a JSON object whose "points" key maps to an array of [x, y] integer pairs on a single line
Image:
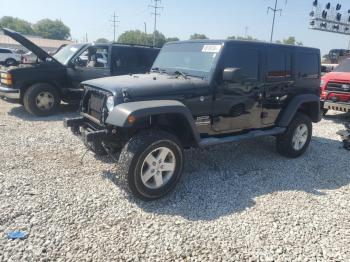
{"points": [[45, 100], [158, 168], [300, 137]]}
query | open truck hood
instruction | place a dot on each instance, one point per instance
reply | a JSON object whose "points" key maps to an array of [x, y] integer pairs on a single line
{"points": [[39, 52]]}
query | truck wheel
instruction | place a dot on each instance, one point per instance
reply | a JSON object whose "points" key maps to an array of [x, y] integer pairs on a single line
{"points": [[41, 100], [10, 62], [152, 162], [294, 142]]}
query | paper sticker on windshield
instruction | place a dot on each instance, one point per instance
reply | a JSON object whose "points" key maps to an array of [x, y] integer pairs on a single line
{"points": [[211, 49]]}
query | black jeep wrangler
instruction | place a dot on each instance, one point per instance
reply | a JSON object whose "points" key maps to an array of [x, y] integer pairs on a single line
{"points": [[199, 94], [41, 86]]}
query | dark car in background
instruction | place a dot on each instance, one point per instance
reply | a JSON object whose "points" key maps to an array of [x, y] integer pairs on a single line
{"points": [[41, 86]]}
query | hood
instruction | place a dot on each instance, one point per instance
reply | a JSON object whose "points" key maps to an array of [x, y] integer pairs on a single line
{"points": [[337, 76], [146, 85], [40, 53]]}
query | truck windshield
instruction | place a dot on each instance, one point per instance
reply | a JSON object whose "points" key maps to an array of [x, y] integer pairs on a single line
{"points": [[66, 53], [343, 67], [194, 59]]}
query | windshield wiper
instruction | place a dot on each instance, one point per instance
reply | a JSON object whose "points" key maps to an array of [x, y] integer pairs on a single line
{"points": [[177, 72]]}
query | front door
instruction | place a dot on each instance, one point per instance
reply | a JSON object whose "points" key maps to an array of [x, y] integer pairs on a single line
{"points": [[91, 64], [237, 106]]}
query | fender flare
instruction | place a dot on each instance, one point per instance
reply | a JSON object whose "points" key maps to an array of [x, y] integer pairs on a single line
{"points": [[119, 115], [294, 105]]}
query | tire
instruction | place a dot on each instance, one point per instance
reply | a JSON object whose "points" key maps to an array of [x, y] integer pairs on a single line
{"points": [[10, 62], [292, 144], [41, 100], [133, 163]]}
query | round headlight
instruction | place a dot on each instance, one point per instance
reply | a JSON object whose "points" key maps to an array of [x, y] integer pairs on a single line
{"points": [[110, 103]]}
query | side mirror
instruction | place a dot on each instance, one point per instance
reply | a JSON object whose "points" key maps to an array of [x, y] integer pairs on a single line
{"points": [[234, 75]]}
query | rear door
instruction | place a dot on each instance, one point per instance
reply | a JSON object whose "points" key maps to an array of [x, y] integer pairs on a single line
{"points": [[279, 79], [128, 60]]}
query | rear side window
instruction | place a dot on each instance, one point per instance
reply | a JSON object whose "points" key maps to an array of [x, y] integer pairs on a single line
{"points": [[308, 65], [247, 59], [279, 64], [126, 57], [5, 51]]}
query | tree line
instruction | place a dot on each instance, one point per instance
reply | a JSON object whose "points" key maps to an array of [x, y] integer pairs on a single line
{"points": [[47, 28], [56, 29]]}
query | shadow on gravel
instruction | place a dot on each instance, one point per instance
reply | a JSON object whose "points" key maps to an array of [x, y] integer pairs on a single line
{"points": [[65, 111], [339, 118], [227, 179]]}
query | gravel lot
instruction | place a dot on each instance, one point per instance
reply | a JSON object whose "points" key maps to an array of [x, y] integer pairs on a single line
{"points": [[236, 202]]}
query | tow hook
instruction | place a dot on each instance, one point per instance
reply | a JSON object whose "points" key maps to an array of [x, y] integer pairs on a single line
{"points": [[345, 136]]}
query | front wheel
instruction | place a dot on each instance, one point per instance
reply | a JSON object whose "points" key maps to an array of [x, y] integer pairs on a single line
{"points": [[41, 100], [10, 62], [152, 162], [294, 142]]}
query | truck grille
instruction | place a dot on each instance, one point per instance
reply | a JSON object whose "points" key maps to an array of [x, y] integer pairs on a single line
{"points": [[96, 105], [338, 87]]}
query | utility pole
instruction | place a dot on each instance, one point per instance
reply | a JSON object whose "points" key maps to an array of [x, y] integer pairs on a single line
{"points": [[246, 31], [156, 6], [274, 10], [145, 28], [114, 24]]}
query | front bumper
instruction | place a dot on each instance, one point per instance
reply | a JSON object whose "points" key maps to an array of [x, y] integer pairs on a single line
{"points": [[80, 126], [337, 106], [9, 93]]}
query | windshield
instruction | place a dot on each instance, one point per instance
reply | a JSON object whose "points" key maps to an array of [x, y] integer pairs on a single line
{"points": [[66, 53], [343, 67], [196, 59]]}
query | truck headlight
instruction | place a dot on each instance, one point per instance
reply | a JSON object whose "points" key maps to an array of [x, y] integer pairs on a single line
{"points": [[110, 103]]}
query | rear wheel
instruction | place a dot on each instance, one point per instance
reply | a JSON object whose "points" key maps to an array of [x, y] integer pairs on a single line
{"points": [[294, 142], [41, 100], [152, 162]]}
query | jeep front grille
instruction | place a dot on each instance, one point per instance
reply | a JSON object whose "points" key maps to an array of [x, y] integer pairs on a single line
{"points": [[93, 104]]}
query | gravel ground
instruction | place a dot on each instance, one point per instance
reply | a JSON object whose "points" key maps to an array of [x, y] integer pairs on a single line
{"points": [[236, 202]]}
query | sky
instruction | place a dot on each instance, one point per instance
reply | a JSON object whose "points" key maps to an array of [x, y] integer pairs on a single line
{"points": [[217, 19]]}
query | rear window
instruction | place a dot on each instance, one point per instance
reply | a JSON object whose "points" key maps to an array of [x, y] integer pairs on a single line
{"points": [[279, 64], [308, 65]]}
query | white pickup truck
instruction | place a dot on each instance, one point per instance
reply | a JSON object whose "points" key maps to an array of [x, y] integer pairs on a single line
{"points": [[9, 57]]}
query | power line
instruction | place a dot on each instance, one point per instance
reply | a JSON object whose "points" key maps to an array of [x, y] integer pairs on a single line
{"points": [[274, 10], [114, 24], [156, 6]]}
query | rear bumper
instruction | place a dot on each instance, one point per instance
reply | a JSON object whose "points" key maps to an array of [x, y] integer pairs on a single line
{"points": [[337, 106], [9, 93]]}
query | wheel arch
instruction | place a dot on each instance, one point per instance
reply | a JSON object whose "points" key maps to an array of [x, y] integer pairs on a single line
{"points": [[171, 116], [307, 104]]}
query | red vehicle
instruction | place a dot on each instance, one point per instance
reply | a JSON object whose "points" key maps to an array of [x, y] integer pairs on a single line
{"points": [[335, 88]]}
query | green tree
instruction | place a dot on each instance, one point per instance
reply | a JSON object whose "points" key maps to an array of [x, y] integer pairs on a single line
{"points": [[197, 36], [16, 24], [52, 29], [172, 39], [138, 37], [102, 41], [291, 41], [250, 38]]}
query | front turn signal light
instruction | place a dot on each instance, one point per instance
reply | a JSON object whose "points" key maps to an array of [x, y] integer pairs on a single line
{"points": [[7, 82]]}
